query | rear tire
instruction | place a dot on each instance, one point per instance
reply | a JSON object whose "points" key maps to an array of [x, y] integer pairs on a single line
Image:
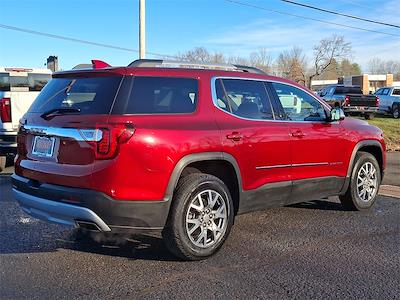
{"points": [[364, 183], [200, 218], [396, 111]]}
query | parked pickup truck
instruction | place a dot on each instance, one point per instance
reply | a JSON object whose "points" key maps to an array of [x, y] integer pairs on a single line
{"points": [[389, 100], [351, 99], [359, 104], [18, 89]]}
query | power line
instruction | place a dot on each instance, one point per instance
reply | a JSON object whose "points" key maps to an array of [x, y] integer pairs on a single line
{"points": [[339, 13], [71, 39], [309, 18]]}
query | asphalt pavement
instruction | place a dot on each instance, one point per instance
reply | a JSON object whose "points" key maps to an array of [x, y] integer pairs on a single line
{"points": [[309, 250]]}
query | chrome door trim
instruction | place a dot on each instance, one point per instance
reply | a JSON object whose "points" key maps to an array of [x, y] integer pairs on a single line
{"points": [[272, 167], [299, 165], [311, 164]]}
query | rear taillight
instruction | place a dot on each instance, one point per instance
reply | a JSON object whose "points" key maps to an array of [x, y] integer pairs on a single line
{"points": [[103, 146], [112, 136], [377, 101], [5, 110], [346, 101]]}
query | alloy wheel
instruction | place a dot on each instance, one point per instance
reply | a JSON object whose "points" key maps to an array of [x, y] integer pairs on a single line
{"points": [[367, 182], [206, 219]]}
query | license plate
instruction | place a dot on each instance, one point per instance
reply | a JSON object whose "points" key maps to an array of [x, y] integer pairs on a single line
{"points": [[43, 146]]}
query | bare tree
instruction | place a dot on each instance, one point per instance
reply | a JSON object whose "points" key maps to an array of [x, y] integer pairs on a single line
{"points": [[330, 49], [292, 64], [199, 54], [218, 58], [261, 59], [379, 66]]}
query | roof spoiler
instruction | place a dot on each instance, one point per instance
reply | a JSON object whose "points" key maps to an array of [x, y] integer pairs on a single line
{"points": [[96, 64], [159, 63]]}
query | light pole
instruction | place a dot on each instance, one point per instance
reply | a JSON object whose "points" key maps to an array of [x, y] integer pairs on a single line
{"points": [[142, 29]]}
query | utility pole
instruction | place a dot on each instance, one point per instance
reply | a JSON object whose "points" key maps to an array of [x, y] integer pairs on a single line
{"points": [[142, 29]]}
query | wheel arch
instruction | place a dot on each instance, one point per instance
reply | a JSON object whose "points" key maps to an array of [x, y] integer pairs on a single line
{"points": [[371, 146], [196, 161]]}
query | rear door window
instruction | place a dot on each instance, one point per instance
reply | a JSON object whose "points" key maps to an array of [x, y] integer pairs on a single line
{"points": [[93, 95], [385, 92], [244, 98], [157, 95], [4, 82], [37, 81]]}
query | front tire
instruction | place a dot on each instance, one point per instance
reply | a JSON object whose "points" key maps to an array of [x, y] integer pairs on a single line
{"points": [[364, 183], [396, 111], [200, 218]]}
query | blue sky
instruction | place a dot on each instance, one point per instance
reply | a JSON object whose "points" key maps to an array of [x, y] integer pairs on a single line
{"points": [[178, 25]]}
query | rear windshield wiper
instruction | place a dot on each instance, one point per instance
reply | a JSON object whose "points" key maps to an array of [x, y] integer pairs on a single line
{"points": [[59, 111]]}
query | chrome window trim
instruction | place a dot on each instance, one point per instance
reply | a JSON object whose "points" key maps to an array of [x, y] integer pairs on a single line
{"points": [[80, 135], [215, 99]]}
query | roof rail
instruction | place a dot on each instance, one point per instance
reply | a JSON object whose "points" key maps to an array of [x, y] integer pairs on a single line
{"points": [[250, 69], [159, 63]]}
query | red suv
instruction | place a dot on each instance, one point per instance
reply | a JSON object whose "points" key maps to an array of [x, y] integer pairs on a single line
{"points": [[183, 148]]}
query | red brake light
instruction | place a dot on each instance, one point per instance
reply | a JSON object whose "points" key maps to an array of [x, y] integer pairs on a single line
{"points": [[377, 100], [112, 137], [346, 100], [103, 146], [5, 110]]}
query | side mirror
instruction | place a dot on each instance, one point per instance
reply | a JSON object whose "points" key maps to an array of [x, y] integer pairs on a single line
{"points": [[337, 114]]}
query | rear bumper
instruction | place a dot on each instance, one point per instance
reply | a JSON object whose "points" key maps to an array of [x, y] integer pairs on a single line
{"points": [[360, 109], [58, 212], [76, 207]]}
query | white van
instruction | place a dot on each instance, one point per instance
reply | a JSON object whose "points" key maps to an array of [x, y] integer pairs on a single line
{"points": [[18, 89]]}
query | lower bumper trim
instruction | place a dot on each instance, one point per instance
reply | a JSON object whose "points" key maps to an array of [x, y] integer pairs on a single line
{"points": [[57, 212]]}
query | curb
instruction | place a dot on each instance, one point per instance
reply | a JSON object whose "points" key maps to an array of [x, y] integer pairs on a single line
{"points": [[390, 191]]}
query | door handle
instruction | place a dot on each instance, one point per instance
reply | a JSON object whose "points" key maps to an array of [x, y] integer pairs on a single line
{"points": [[235, 136], [298, 134]]}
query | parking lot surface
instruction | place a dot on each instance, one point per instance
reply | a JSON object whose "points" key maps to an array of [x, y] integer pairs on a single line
{"points": [[310, 250]]}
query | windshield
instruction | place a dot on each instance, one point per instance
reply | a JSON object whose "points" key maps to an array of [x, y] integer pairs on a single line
{"points": [[88, 95]]}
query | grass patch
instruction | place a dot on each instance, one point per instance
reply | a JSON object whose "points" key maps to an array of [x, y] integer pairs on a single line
{"points": [[391, 130]]}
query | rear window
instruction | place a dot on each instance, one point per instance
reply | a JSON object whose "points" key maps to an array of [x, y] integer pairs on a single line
{"points": [[157, 95], [37, 81], [19, 81], [347, 90], [4, 82], [91, 95]]}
